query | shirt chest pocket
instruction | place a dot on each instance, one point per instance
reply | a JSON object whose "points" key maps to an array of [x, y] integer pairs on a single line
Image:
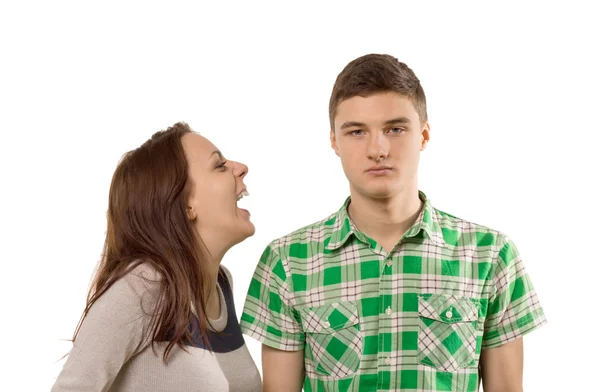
{"points": [[334, 339], [447, 331]]}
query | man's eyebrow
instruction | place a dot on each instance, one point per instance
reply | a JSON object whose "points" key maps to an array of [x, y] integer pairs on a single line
{"points": [[398, 120], [349, 124]]}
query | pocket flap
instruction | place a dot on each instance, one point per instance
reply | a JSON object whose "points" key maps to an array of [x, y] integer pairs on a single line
{"points": [[447, 308], [329, 318]]}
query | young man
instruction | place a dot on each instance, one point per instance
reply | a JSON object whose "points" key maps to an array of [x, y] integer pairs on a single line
{"points": [[389, 293]]}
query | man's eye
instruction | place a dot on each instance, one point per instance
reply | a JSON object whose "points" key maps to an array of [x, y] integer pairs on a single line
{"points": [[396, 130]]}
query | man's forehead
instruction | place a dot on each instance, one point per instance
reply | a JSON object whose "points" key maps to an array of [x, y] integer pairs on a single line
{"points": [[376, 107]]}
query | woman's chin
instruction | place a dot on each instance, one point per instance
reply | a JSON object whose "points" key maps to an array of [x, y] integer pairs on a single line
{"points": [[244, 230]]}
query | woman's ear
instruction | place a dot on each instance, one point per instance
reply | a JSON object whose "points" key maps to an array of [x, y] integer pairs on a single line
{"points": [[191, 213]]}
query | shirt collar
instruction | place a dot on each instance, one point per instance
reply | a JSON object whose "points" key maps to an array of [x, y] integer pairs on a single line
{"points": [[427, 221]]}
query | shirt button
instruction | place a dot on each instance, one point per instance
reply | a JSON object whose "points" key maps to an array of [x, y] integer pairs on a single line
{"points": [[388, 311], [389, 263], [388, 360], [449, 314], [326, 324]]}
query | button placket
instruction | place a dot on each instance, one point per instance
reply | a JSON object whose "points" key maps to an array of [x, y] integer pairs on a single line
{"points": [[385, 359]]}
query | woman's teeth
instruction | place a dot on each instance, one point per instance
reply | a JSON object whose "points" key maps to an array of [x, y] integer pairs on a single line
{"points": [[242, 194]]}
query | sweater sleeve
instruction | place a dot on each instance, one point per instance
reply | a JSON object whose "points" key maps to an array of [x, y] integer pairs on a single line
{"points": [[114, 330]]}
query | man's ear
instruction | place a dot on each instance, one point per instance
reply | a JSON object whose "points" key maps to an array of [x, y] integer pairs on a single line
{"points": [[334, 142], [425, 135]]}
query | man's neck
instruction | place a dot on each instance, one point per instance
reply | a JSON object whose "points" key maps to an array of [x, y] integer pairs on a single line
{"points": [[385, 220]]}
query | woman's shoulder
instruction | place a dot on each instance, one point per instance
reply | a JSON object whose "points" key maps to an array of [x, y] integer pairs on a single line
{"points": [[143, 277], [138, 287]]}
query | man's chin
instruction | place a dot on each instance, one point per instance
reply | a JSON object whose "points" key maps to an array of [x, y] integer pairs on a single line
{"points": [[379, 193]]}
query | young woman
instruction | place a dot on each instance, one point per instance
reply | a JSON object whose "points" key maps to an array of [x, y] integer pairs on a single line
{"points": [[160, 314]]}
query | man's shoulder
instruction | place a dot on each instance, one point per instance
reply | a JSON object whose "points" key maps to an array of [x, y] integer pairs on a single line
{"points": [[454, 227], [316, 232]]}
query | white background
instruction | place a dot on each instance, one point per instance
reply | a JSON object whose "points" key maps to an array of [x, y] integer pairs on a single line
{"points": [[512, 94]]}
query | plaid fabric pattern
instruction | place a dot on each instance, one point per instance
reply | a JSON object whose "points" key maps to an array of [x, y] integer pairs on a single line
{"points": [[413, 319], [334, 338], [447, 331]]}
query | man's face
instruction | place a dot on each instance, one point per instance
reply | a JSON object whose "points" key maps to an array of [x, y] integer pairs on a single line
{"points": [[379, 140]]}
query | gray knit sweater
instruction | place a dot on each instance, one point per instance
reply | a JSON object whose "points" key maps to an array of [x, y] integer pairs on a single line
{"points": [[113, 353]]}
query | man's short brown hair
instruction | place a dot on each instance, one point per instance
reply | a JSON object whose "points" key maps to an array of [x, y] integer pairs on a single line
{"points": [[377, 73]]}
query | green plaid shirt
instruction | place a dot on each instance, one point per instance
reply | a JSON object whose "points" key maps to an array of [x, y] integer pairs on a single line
{"points": [[414, 319]]}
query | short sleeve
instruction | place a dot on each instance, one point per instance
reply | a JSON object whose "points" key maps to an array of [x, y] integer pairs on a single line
{"points": [[269, 315], [513, 308]]}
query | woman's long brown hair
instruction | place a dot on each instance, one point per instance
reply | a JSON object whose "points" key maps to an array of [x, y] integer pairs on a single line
{"points": [[148, 223]]}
